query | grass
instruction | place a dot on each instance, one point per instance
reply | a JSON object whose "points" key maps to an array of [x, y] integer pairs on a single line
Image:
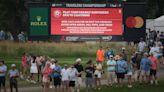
{"points": [[12, 50]]}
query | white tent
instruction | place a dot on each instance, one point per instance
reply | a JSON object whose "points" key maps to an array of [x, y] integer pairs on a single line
{"points": [[156, 24]]}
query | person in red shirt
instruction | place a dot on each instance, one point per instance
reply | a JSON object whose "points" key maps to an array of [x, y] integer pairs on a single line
{"points": [[24, 64], [153, 69], [100, 55]]}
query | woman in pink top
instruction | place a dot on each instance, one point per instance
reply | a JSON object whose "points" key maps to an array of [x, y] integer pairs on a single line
{"points": [[24, 65], [47, 71], [153, 69]]}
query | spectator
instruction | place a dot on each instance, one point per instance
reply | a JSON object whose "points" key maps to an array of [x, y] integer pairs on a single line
{"points": [[79, 68], [3, 69], [57, 76], [21, 37], [153, 69], [33, 70], [13, 74], [142, 46], [89, 81], [129, 74], [73, 73], [100, 55], [65, 78], [108, 53], [145, 68], [121, 69], [97, 73], [123, 53], [24, 65], [2, 35], [111, 63], [46, 76], [9, 36], [136, 60]]}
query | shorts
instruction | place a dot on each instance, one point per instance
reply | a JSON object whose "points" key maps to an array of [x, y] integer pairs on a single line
{"points": [[120, 75], [57, 81], [2, 81], [97, 74], [129, 73], [111, 76], [65, 83], [143, 73], [46, 80], [89, 81], [71, 83], [153, 72], [79, 81]]}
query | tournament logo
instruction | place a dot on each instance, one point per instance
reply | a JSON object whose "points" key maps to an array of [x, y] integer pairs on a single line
{"points": [[57, 13]]}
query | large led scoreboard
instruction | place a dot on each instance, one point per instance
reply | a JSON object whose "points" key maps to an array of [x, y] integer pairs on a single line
{"points": [[85, 22]]}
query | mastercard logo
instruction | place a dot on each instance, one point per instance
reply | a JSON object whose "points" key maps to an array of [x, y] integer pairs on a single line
{"points": [[134, 22]]}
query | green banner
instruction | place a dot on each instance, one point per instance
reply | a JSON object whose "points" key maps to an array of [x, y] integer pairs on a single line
{"points": [[39, 21]]}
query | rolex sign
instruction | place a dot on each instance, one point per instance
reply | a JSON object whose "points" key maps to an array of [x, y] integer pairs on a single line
{"points": [[39, 21]]}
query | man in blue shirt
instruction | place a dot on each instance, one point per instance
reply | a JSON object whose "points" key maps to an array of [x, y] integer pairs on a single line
{"points": [[57, 76], [3, 69], [109, 52], [121, 69], [145, 67]]}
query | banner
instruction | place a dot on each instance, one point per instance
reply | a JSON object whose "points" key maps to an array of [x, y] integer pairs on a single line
{"points": [[134, 21], [39, 18], [86, 21]]}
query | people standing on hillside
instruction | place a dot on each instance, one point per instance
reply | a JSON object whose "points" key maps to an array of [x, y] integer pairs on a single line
{"points": [[24, 65], [13, 75], [73, 74], [153, 69], [141, 46], [121, 69], [111, 64], [57, 76], [47, 71], [80, 69], [9, 36], [3, 69], [33, 70], [109, 52], [145, 68], [89, 80], [100, 55], [98, 74], [65, 78]]}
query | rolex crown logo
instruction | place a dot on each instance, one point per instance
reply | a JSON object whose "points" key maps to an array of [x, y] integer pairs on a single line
{"points": [[38, 18]]}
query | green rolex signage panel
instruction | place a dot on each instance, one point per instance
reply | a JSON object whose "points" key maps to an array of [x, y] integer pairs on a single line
{"points": [[39, 21]]}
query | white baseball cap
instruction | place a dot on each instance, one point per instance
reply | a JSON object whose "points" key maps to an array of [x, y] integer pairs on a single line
{"points": [[13, 65], [78, 60]]}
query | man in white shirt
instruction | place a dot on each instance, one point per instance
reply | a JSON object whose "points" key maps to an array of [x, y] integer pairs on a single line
{"points": [[141, 46], [65, 78], [72, 73]]}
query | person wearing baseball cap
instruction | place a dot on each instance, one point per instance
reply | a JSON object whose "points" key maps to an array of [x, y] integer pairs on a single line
{"points": [[80, 69], [13, 74], [111, 63]]}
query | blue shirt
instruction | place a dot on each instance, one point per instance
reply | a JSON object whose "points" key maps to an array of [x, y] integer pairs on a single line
{"points": [[130, 68], [57, 71], [145, 64], [108, 53], [13, 73], [121, 66], [3, 69]]}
